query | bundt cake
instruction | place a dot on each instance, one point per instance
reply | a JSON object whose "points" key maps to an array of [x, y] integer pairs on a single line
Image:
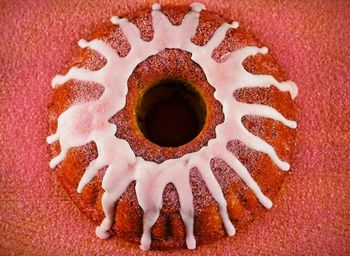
{"points": [[171, 128]]}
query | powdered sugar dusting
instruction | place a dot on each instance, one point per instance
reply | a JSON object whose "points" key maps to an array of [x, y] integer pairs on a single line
{"points": [[151, 178]]}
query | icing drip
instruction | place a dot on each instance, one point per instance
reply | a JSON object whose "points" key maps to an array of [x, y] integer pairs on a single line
{"points": [[86, 122]]}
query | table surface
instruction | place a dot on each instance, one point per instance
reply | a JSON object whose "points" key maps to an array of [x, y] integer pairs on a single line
{"points": [[311, 213]]}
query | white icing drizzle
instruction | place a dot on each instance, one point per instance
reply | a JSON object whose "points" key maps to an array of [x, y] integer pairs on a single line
{"points": [[86, 122]]}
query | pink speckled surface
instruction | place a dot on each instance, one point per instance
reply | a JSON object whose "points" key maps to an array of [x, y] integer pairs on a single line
{"points": [[311, 215]]}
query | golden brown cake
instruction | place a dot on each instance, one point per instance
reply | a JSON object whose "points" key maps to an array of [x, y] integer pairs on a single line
{"points": [[172, 127]]}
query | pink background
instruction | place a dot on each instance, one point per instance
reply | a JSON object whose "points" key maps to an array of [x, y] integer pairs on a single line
{"points": [[311, 213]]}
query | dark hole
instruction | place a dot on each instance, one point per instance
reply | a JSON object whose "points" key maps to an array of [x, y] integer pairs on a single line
{"points": [[171, 113]]}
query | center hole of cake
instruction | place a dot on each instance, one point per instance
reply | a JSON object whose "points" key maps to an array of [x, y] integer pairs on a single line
{"points": [[171, 113]]}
